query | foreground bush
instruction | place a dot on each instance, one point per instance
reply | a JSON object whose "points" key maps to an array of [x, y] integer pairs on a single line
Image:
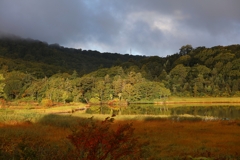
{"points": [[99, 141]]}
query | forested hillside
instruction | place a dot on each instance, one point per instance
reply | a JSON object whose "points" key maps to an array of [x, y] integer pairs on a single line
{"points": [[42, 59], [34, 70]]}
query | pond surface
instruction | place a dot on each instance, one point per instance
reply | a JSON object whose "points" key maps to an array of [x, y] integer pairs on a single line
{"points": [[220, 112]]}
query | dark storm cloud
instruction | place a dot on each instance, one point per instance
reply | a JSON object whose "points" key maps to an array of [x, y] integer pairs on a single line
{"points": [[46, 20], [149, 27]]}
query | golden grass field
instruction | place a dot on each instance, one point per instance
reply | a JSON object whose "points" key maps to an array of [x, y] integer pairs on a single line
{"points": [[39, 132], [186, 138], [167, 138]]}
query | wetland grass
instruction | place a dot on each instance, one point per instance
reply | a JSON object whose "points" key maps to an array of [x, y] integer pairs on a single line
{"points": [[39, 135]]}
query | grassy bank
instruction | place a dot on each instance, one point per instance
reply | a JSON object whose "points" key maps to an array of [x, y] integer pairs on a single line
{"points": [[184, 100], [21, 113], [191, 100]]}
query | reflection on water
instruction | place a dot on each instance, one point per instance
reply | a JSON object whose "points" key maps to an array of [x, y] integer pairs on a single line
{"points": [[223, 112]]}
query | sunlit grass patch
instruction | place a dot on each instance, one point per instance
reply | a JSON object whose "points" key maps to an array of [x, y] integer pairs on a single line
{"points": [[18, 115], [14, 115], [200, 100], [63, 109]]}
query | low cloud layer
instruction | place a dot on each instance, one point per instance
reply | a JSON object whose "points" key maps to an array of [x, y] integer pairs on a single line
{"points": [[153, 27]]}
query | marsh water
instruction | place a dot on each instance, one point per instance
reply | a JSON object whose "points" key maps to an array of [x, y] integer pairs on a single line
{"points": [[227, 112]]}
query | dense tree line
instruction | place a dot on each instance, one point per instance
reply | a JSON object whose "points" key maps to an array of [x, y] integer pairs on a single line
{"points": [[206, 72], [95, 87], [57, 73], [195, 72]]}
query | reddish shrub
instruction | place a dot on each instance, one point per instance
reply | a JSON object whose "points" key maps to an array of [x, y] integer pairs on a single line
{"points": [[99, 141]]}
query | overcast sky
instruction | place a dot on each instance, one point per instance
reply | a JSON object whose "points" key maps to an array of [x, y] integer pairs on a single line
{"points": [[143, 27]]}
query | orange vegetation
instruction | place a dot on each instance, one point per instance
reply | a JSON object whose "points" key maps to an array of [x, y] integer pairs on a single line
{"points": [[167, 138], [217, 139]]}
